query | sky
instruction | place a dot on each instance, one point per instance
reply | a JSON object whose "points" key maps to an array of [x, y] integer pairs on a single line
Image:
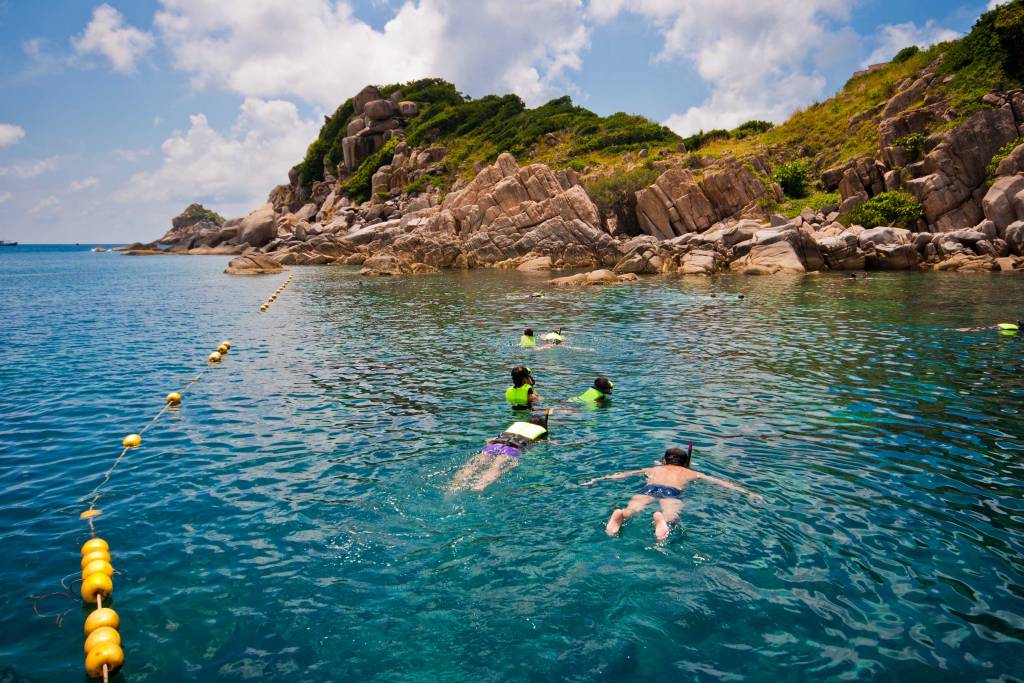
{"points": [[114, 116]]}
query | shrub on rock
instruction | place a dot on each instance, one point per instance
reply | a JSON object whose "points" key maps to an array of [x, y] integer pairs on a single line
{"points": [[896, 209]]}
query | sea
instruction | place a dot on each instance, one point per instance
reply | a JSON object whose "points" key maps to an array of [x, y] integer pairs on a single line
{"points": [[292, 519]]}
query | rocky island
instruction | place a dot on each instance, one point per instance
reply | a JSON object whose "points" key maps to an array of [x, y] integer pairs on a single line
{"points": [[915, 164]]}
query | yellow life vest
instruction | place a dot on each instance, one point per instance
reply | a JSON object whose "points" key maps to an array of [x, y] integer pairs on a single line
{"points": [[518, 396], [527, 430], [1008, 326], [527, 342], [591, 394]]}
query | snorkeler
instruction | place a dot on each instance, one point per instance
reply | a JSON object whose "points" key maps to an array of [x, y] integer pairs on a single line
{"points": [[665, 483], [501, 454], [553, 339], [598, 394], [528, 341], [521, 395], [1004, 328]]}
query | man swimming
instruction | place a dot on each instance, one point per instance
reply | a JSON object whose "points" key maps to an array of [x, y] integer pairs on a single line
{"points": [[528, 341], [501, 454], [521, 395], [665, 483]]}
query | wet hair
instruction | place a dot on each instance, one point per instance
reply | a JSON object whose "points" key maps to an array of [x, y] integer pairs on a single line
{"points": [[528, 331], [603, 385], [677, 456], [540, 419], [520, 375]]}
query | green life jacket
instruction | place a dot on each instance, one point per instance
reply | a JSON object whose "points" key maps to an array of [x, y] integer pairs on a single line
{"points": [[527, 342], [527, 430], [591, 394], [1008, 326], [518, 396]]}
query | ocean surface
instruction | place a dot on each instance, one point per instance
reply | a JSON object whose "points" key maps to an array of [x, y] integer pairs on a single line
{"points": [[291, 521]]}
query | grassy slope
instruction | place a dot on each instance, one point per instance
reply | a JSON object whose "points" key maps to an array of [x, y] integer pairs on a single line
{"points": [[564, 135]]}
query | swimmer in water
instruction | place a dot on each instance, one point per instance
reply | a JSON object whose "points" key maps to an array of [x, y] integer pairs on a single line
{"points": [[1004, 328], [552, 339], [665, 483], [599, 394], [501, 454], [528, 341], [521, 395]]}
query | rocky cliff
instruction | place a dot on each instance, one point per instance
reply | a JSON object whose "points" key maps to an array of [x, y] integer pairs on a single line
{"points": [[914, 164]]}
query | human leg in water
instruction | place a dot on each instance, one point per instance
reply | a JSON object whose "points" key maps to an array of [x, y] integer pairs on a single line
{"points": [[636, 504], [471, 469], [500, 464], [669, 514]]}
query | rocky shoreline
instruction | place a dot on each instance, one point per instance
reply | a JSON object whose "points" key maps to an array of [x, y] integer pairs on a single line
{"points": [[699, 217]]}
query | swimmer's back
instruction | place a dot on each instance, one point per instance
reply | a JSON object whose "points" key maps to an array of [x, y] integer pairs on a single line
{"points": [[670, 475]]}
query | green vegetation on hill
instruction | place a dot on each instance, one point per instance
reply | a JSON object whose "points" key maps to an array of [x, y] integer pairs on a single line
{"points": [[897, 209], [478, 130]]}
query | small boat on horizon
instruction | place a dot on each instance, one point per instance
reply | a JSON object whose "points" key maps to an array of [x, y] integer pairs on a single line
{"points": [[5, 243]]}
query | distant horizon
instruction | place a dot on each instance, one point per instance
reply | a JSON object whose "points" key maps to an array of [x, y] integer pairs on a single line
{"points": [[175, 103]]}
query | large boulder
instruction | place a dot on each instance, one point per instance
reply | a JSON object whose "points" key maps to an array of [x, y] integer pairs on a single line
{"points": [[259, 227], [953, 174], [1004, 202], [253, 264], [893, 257]]}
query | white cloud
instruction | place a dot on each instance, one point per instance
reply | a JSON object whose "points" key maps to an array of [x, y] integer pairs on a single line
{"points": [[30, 168], [10, 134], [108, 35], [83, 184], [132, 154], [240, 165], [318, 50], [992, 4], [759, 57], [5, 197], [894, 37], [48, 203]]}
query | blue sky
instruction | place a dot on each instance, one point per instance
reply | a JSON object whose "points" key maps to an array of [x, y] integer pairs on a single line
{"points": [[114, 116]]}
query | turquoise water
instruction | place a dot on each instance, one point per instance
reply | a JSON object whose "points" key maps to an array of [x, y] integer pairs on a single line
{"points": [[290, 521]]}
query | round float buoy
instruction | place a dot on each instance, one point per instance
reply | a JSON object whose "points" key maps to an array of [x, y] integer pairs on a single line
{"points": [[263, 308], [98, 567], [174, 398], [97, 584], [94, 555], [100, 618], [226, 343], [95, 544], [100, 636], [108, 653], [131, 441], [222, 349], [214, 357]]}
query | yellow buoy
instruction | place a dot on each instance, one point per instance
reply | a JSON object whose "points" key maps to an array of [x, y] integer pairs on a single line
{"points": [[106, 653], [131, 441], [222, 349], [214, 357], [95, 544], [98, 567], [90, 513], [102, 635], [263, 308], [97, 584], [174, 398], [226, 343], [95, 555], [104, 616]]}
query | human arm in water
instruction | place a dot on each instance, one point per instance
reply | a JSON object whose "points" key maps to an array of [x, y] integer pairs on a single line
{"points": [[617, 475], [728, 485]]}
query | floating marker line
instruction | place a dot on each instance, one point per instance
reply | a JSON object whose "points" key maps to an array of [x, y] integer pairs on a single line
{"points": [[103, 653]]}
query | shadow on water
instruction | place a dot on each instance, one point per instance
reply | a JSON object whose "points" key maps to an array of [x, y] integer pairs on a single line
{"points": [[291, 520]]}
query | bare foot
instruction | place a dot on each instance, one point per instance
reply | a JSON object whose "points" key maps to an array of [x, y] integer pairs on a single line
{"points": [[660, 526], [614, 523]]}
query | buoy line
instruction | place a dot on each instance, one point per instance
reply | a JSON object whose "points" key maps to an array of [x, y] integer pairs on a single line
{"points": [[265, 306], [104, 655]]}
